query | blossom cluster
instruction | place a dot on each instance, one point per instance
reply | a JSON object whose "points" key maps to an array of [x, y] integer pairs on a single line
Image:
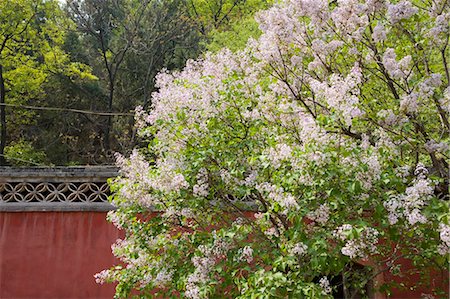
{"points": [[400, 11], [278, 195], [444, 234], [204, 263], [325, 285], [298, 249], [360, 246], [321, 214], [410, 204]]}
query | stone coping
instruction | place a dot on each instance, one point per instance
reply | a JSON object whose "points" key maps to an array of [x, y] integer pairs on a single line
{"points": [[58, 174]]}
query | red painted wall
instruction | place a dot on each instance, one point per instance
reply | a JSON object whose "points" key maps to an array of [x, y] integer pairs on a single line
{"points": [[436, 279], [55, 254]]}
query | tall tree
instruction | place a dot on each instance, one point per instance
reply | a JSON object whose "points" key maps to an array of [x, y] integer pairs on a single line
{"points": [[129, 41], [112, 26], [212, 16], [166, 39], [31, 34]]}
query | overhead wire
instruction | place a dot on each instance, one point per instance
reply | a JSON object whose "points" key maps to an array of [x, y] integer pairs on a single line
{"points": [[22, 160], [68, 110]]}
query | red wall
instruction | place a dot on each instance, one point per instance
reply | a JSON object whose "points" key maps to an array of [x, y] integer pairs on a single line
{"points": [[436, 279], [55, 254]]}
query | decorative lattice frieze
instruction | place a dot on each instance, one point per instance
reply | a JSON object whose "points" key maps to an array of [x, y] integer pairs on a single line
{"points": [[54, 192], [58, 188]]}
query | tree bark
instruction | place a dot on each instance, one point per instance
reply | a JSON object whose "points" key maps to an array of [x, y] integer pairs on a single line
{"points": [[107, 140], [2, 119]]}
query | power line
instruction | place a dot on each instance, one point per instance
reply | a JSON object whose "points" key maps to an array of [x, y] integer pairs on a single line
{"points": [[22, 160], [67, 110]]}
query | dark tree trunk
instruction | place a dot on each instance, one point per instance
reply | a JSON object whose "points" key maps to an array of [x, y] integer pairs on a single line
{"points": [[107, 138], [2, 118]]}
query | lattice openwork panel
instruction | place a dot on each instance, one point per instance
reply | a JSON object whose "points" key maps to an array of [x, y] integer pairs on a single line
{"points": [[58, 188], [54, 192]]}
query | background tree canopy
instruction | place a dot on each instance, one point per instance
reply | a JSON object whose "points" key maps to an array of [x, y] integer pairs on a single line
{"points": [[96, 56], [31, 56]]}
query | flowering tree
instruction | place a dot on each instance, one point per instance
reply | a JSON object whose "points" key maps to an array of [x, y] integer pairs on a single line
{"points": [[332, 127]]}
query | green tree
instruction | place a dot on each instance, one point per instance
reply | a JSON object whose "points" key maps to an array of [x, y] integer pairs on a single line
{"points": [[31, 35], [128, 42], [226, 23], [111, 26]]}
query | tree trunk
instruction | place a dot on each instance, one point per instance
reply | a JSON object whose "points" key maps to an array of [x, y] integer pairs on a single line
{"points": [[2, 119], [107, 140]]}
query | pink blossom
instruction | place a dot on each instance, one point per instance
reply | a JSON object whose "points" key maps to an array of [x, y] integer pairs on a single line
{"points": [[358, 247], [116, 218], [375, 5], [192, 291], [246, 254], [278, 154], [341, 94], [179, 182], [432, 147], [325, 285], [426, 89], [250, 180], [444, 233], [389, 118], [409, 103], [298, 249], [445, 101], [438, 32], [397, 69], [277, 194], [415, 216], [102, 276], [443, 249], [163, 277], [403, 171], [379, 33], [321, 214], [201, 188], [416, 197], [350, 17], [421, 171], [400, 11]]}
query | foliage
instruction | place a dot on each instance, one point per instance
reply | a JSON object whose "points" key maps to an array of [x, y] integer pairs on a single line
{"points": [[22, 153], [226, 23], [221, 14], [127, 42], [333, 125], [236, 37], [100, 56], [166, 39], [32, 34]]}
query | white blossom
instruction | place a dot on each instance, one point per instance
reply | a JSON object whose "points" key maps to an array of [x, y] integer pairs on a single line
{"points": [[357, 247], [321, 214], [396, 69], [298, 249], [325, 285], [379, 33], [400, 11], [245, 254]]}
